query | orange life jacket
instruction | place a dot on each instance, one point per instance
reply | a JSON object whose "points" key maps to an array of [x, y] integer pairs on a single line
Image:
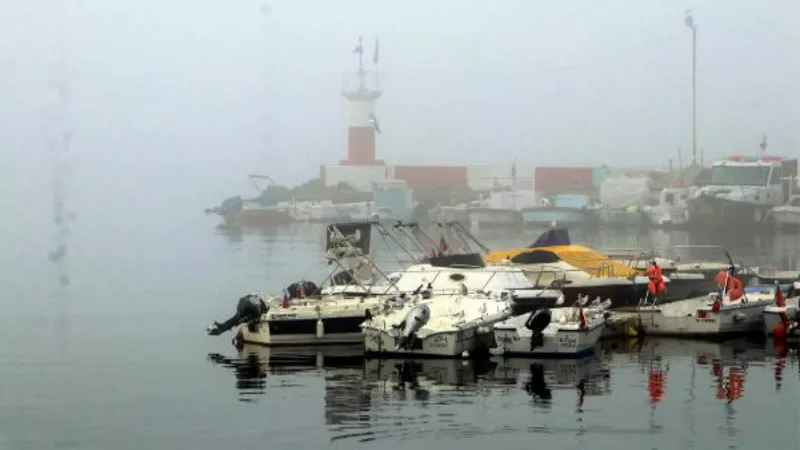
{"points": [[734, 288], [656, 283]]}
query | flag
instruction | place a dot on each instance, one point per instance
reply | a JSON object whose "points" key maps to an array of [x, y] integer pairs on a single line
{"points": [[780, 302], [375, 55], [359, 48]]}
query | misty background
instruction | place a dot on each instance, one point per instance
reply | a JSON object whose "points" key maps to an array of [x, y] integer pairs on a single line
{"points": [[172, 104]]}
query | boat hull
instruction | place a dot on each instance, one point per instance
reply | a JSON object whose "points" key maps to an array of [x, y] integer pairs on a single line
{"points": [[732, 319], [670, 218], [293, 329], [512, 341], [446, 343], [772, 314], [708, 211], [258, 218]]}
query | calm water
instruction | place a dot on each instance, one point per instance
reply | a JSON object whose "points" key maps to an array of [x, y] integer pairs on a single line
{"points": [[119, 359]]}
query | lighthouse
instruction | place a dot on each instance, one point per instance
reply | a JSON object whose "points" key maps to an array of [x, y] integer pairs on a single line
{"points": [[362, 90]]}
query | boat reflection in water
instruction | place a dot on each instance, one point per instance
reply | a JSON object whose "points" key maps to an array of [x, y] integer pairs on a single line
{"points": [[424, 376], [539, 378], [254, 362]]}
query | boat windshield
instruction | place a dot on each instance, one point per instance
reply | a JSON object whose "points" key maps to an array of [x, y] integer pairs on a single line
{"points": [[740, 175]]}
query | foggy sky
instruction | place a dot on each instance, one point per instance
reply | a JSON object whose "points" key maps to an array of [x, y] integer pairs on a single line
{"points": [[172, 103], [218, 88]]}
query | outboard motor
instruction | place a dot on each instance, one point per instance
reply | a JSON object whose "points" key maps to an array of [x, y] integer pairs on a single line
{"points": [[250, 307], [416, 319], [537, 322], [301, 289]]}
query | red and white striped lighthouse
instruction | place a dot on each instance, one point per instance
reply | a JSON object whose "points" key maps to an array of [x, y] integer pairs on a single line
{"points": [[362, 90]]}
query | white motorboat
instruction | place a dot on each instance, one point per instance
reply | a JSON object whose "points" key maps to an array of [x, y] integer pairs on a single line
{"points": [[706, 316], [306, 315], [788, 310], [569, 332], [786, 217], [671, 210], [442, 325], [266, 320], [510, 283]]}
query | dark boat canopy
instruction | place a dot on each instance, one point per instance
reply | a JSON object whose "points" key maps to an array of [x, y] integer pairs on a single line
{"points": [[552, 237], [538, 256]]}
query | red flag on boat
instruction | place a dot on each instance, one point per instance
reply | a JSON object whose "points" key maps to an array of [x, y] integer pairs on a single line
{"points": [[780, 302]]}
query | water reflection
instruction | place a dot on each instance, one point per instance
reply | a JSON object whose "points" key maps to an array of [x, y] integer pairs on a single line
{"points": [[708, 385], [253, 362]]}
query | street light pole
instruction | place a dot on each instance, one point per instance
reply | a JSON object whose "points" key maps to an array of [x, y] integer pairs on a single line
{"points": [[690, 23]]}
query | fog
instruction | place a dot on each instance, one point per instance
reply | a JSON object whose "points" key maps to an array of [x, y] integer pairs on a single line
{"points": [[171, 104]]}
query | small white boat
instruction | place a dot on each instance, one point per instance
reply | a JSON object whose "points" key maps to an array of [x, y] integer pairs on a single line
{"points": [[671, 210], [559, 332], [706, 316], [267, 320], [791, 309], [443, 325], [787, 217]]}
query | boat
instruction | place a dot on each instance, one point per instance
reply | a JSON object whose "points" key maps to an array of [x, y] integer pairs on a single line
{"points": [[786, 217], [554, 262], [770, 275], [443, 325], [671, 210], [687, 280], [740, 193], [307, 315], [785, 309], [567, 210], [622, 201], [502, 208], [269, 208], [327, 211], [557, 332], [712, 316], [444, 271]]}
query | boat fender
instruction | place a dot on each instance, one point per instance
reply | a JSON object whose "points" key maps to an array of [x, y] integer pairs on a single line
{"points": [[320, 328]]}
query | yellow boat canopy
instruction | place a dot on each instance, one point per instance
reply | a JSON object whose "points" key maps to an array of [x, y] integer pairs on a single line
{"points": [[586, 259]]}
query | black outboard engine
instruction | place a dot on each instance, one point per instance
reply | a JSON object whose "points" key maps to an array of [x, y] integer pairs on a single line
{"points": [[307, 287], [537, 322], [250, 307]]}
